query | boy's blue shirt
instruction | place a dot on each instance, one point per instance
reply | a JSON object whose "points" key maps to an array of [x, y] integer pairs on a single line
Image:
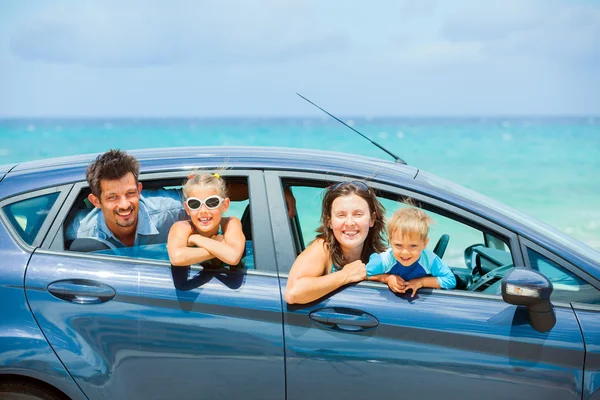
{"points": [[428, 264]]}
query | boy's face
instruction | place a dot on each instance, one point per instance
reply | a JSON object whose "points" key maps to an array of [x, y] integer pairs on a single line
{"points": [[407, 248]]}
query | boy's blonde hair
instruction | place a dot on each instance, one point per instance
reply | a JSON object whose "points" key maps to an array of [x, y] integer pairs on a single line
{"points": [[409, 221], [205, 180]]}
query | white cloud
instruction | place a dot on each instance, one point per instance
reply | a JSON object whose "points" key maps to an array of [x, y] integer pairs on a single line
{"points": [[211, 32]]}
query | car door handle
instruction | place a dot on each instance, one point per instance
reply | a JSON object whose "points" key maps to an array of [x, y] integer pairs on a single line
{"points": [[347, 319], [81, 291]]}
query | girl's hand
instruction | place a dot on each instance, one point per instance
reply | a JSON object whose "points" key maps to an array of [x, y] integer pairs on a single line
{"points": [[396, 283], [355, 271], [218, 237]]}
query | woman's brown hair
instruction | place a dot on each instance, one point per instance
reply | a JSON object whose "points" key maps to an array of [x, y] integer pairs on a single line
{"points": [[374, 243]]}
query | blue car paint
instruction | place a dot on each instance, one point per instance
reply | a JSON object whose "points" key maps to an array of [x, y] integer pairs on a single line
{"points": [[590, 325], [24, 350], [166, 330], [441, 345]]}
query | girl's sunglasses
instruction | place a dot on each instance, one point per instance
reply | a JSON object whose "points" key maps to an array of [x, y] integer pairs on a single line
{"points": [[210, 202]]}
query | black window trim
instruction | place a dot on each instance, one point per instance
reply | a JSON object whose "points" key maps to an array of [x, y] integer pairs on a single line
{"points": [[63, 191], [264, 251]]}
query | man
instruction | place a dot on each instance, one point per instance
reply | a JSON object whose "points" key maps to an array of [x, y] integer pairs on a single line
{"points": [[123, 217]]}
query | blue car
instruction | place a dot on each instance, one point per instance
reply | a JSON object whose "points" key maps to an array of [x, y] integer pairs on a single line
{"points": [[84, 320]]}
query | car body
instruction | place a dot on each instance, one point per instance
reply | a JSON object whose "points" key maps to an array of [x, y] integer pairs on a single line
{"points": [[125, 324]]}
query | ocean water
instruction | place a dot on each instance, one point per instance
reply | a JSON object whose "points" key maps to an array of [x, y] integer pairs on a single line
{"points": [[548, 168]]}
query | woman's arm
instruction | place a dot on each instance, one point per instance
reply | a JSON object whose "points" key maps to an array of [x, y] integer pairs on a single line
{"points": [[180, 254], [230, 249], [308, 279]]}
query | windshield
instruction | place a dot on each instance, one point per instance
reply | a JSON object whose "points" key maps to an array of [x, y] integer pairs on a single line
{"points": [[547, 230]]}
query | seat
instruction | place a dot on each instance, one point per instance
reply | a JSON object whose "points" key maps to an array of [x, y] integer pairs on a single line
{"points": [[88, 244], [440, 247], [247, 223]]}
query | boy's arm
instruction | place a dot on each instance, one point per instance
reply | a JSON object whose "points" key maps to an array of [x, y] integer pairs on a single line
{"points": [[380, 263], [377, 267], [442, 277], [443, 274], [416, 284]]}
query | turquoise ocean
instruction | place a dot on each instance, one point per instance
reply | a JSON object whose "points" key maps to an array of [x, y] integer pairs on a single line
{"points": [[548, 168]]}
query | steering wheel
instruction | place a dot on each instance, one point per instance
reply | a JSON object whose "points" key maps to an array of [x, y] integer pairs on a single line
{"points": [[440, 246]]}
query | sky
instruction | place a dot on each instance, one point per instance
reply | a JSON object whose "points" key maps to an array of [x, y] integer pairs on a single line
{"points": [[225, 58]]}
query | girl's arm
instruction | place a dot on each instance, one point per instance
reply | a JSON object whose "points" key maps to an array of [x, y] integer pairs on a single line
{"points": [[180, 253], [308, 279], [230, 249]]}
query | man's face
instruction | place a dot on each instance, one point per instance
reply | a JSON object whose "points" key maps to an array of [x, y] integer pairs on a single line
{"points": [[120, 204]]}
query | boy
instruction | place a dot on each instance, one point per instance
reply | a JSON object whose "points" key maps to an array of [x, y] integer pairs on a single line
{"points": [[407, 265]]}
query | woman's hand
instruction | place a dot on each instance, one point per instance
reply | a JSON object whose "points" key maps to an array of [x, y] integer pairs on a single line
{"points": [[355, 271]]}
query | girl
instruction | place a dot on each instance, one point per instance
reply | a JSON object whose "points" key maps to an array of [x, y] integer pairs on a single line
{"points": [[208, 235]]}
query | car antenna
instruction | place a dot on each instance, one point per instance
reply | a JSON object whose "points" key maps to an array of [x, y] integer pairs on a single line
{"points": [[396, 158]]}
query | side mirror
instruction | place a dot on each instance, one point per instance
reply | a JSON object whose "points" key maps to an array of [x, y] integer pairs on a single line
{"points": [[529, 288]]}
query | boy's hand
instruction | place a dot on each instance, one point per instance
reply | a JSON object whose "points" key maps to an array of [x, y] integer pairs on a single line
{"points": [[396, 283], [355, 271], [415, 284]]}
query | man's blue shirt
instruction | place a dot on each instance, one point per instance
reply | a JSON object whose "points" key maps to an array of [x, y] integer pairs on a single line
{"points": [[159, 210], [428, 264]]}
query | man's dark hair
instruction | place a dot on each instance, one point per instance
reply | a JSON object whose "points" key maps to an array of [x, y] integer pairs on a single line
{"points": [[112, 165]]}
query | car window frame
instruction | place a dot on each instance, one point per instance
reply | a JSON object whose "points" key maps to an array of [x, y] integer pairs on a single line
{"points": [[45, 228], [282, 229], [261, 233]]}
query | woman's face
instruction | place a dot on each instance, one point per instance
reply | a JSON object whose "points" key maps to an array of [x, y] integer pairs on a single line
{"points": [[351, 220], [205, 220]]}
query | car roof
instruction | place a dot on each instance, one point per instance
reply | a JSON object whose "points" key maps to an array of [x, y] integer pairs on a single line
{"points": [[26, 176]]}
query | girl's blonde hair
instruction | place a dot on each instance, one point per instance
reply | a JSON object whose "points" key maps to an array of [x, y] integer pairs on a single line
{"points": [[205, 180], [409, 221]]}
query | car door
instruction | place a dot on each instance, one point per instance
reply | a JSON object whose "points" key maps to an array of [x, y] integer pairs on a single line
{"points": [[572, 284], [128, 328], [363, 341]]}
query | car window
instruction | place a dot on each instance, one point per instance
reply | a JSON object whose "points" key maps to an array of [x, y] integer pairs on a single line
{"points": [[27, 216], [165, 198], [567, 286], [478, 257]]}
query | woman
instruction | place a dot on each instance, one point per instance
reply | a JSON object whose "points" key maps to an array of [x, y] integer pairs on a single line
{"points": [[208, 235], [352, 226]]}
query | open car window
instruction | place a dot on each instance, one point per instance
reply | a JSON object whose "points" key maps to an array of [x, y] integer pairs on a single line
{"points": [[478, 256], [160, 197]]}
